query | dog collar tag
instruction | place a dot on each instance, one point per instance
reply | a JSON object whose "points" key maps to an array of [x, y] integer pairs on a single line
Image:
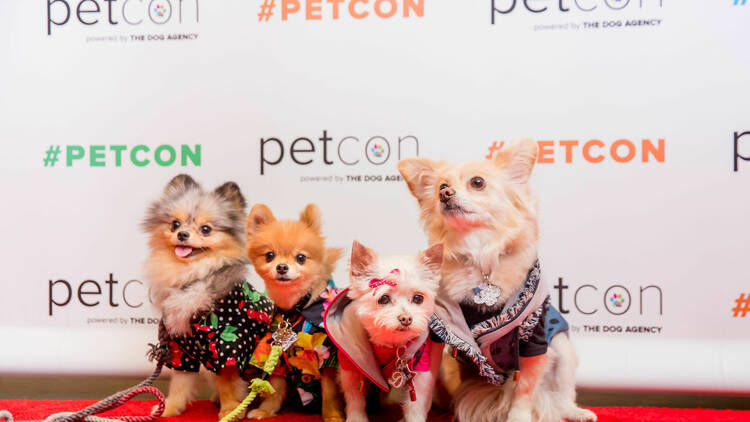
{"points": [[284, 335], [402, 373], [486, 294]]}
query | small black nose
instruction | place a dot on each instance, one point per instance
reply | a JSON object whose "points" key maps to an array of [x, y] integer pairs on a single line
{"points": [[282, 268], [446, 194], [405, 320], [183, 236]]}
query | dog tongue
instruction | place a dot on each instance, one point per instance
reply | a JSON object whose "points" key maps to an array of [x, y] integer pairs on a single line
{"points": [[182, 251]]}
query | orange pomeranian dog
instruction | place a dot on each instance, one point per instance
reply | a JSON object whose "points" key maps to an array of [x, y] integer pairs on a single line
{"points": [[292, 259]]}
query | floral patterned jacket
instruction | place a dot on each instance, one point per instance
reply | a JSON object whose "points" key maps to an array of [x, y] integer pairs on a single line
{"points": [[303, 362]]}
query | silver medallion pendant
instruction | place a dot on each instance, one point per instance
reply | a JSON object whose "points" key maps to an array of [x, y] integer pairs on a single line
{"points": [[486, 293]]}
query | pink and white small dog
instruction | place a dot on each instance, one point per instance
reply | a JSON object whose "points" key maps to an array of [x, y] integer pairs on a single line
{"points": [[380, 326]]}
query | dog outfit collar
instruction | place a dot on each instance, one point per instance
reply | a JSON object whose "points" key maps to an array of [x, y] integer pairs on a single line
{"points": [[298, 307], [353, 343], [475, 337]]}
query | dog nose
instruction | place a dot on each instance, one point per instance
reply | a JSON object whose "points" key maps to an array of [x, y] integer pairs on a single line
{"points": [[405, 320], [282, 268], [446, 194], [183, 236]]}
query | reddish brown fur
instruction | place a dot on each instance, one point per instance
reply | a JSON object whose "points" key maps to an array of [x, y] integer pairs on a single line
{"points": [[286, 239]]}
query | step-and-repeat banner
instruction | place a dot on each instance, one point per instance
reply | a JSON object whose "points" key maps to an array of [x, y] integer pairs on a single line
{"points": [[639, 108]]}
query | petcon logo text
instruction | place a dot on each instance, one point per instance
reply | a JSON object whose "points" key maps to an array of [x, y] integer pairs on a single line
{"points": [[117, 13], [580, 8], [503, 7], [112, 301], [164, 155], [594, 151], [589, 301], [316, 10], [737, 155], [346, 152]]}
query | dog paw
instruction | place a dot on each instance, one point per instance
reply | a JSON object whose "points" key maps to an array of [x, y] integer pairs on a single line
{"points": [[414, 417], [517, 415], [333, 414], [169, 410], [581, 415], [227, 409], [357, 418], [259, 414]]}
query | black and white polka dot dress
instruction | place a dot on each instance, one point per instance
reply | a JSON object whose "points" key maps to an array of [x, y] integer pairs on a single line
{"points": [[225, 335]]}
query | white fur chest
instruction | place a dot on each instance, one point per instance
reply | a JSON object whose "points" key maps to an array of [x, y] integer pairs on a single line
{"points": [[473, 257]]}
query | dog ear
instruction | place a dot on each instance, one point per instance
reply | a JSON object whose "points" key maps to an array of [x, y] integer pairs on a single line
{"points": [[362, 261], [311, 217], [432, 258], [331, 257], [518, 159], [259, 215], [179, 185], [231, 192], [420, 176]]}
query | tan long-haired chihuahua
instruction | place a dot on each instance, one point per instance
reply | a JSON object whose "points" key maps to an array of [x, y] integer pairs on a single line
{"points": [[486, 217]]}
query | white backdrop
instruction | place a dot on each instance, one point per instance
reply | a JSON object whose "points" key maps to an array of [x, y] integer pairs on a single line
{"points": [[644, 218]]}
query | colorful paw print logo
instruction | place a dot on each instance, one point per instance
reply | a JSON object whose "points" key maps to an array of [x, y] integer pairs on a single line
{"points": [[617, 300], [160, 10], [377, 150]]}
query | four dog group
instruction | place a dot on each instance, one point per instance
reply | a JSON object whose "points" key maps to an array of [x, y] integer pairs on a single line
{"points": [[465, 325]]}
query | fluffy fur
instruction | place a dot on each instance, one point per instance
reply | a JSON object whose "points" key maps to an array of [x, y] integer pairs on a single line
{"points": [[299, 249], [486, 216], [396, 321], [197, 256]]}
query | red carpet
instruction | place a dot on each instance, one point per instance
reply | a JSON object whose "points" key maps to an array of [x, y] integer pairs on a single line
{"points": [[205, 411]]}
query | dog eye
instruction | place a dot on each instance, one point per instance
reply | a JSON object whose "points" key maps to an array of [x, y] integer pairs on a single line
{"points": [[300, 259], [444, 186], [175, 225], [270, 256], [384, 300], [417, 299], [205, 230], [477, 183]]}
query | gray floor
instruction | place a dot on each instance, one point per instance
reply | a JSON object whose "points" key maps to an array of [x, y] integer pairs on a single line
{"points": [[71, 388]]}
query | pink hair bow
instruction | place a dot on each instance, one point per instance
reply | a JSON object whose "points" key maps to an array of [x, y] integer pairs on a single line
{"points": [[377, 282]]}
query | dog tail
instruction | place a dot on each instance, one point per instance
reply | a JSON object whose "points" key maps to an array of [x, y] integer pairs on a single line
{"points": [[476, 400]]}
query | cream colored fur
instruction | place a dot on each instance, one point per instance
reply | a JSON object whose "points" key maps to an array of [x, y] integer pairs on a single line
{"points": [[490, 228]]}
